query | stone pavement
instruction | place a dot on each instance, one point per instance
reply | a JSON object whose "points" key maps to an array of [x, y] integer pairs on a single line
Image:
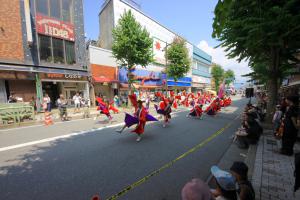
{"points": [[273, 177]]}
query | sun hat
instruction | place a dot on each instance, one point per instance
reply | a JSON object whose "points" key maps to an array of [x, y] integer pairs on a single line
{"points": [[224, 179]]}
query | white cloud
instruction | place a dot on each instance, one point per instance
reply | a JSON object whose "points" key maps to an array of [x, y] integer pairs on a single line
{"points": [[219, 57]]}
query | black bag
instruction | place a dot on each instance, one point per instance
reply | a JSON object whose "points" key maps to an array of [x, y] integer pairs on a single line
{"points": [[297, 172]]}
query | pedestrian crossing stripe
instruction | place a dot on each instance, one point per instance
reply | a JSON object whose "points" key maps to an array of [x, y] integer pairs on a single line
{"points": [[169, 164]]}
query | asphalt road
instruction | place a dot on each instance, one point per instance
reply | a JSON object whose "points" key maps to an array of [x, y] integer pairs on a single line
{"points": [[105, 162]]}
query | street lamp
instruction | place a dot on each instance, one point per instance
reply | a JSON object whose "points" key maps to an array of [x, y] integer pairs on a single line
{"points": [[166, 63]]}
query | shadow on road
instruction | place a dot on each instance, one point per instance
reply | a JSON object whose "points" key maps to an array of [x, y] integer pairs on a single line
{"points": [[65, 164]]}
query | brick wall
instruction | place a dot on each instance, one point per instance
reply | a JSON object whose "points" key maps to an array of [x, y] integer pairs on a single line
{"points": [[11, 44]]}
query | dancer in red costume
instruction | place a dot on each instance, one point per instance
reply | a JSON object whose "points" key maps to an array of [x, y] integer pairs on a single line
{"points": [[104, 108], [165, 109], [196, 111], [212, 108], [140, 117]]}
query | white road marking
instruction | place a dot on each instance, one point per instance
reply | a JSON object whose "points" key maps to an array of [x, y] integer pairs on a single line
{"points": [[39, 125], [64, 136]]}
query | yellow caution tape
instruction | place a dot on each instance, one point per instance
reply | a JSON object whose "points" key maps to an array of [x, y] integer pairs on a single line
{"points": [[169, 164]]}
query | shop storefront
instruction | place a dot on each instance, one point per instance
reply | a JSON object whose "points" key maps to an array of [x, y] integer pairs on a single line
{"points": [[19, 84], [105, 81], [184, 83], [200, 83], [67, 84]]}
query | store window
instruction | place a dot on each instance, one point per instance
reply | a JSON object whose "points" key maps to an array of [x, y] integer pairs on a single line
{"points": [[70, 52], [67, 6], [59, 9], [45, 48], [42, 7], [58, 50], [55, 8]]}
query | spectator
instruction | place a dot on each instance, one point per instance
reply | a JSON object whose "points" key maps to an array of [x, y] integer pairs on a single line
{"points": [[147, 102], [62, 106], [240, 171], [33, 104], [116, 101], [77, 100], [250, 133], [196, 189], [290, 126], [47, 103], [277, 119], [86, 107], [12, 98], [226, 188]]}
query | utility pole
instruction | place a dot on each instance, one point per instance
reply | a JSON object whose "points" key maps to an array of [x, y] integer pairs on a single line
{"points": [[166, 64]]}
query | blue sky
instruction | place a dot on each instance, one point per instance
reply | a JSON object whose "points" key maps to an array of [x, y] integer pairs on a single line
{"points": [[191, 19]]}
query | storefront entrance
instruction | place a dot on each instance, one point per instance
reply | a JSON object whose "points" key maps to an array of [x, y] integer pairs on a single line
{"points": [[52, 90]]}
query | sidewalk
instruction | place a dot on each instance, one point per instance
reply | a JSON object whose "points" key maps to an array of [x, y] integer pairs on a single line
{"points": [[39, 117], [273, 177]]}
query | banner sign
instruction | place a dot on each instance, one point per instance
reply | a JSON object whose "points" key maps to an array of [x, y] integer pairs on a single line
{"points": [[55, 28], [142, 77], [159, 51]]}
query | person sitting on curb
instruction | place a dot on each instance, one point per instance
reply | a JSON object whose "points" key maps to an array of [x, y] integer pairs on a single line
{"points": [[226, 185], [240, 171], [196, 189], [250, 133]]}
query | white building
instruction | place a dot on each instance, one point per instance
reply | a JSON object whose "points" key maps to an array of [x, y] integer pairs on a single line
{"points": [[109, 15]]}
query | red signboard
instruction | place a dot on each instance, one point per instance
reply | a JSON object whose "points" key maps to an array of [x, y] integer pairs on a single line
{"points": [[55, 28]]}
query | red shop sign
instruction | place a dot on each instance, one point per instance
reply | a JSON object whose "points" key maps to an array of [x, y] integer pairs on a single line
{"points": [[55, 28]]}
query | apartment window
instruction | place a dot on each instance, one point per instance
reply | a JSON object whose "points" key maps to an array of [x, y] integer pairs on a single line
{"points": [[195, 65], [45, 48], [59, 9], [56, 50], [70, 52], [42, 6]]}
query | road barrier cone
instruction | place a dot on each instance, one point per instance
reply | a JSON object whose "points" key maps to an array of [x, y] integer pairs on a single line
{"points": [[48, 119]]}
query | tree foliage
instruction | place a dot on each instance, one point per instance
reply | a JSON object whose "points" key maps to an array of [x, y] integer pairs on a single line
{"points": [[229, 76], [217, 73], [266, 33], [178, 60], [132, 44]]}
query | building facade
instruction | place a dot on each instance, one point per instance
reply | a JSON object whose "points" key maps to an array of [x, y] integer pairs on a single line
{"points": [[42, 49], [153, 76], [201, 77], [104, 73]]}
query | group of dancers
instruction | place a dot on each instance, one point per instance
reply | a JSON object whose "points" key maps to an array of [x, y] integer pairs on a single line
{"points": [[213, 104]]}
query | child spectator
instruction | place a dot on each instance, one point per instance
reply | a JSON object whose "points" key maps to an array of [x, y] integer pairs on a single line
{"points": [[196, 189], [240, 171], [226, 188], [277, 118]]}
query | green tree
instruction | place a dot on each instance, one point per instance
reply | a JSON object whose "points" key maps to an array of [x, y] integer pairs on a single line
{"points": [[266, 33], [178, 61], [229, 76], [132, 44], [217, 73]]}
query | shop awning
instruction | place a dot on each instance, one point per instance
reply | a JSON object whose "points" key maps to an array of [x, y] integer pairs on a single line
{"points": [[104, 79]]}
